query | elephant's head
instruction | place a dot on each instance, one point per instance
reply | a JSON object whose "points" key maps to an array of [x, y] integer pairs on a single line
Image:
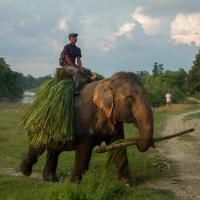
{"points": [[122, 98]]}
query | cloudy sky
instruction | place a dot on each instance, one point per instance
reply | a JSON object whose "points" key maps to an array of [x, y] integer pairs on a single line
{"points": [[114, 35]]}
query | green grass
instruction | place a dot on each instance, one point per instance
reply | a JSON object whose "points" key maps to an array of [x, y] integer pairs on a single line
{"points": [[197, 95], [187, 138], [25, 188], [192, 116], [95, 185]]}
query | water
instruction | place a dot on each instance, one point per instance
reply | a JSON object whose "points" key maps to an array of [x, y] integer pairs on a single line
{"points": [[28, 97]]}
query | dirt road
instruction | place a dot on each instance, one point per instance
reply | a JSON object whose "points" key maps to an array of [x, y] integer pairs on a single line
{"points": [[183, 158]]}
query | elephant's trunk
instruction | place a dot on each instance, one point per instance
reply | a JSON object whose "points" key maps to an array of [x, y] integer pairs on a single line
{"points": [[144, 120]]}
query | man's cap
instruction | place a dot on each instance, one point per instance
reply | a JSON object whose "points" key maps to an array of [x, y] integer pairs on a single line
{"points": [[73, 35]]}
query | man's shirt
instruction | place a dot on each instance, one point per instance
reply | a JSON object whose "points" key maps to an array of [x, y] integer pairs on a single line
{"points": [[73, 51]]}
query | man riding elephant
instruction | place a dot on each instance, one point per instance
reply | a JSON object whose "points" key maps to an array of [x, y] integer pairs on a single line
{"points": [[70, 59], [100, 112]]}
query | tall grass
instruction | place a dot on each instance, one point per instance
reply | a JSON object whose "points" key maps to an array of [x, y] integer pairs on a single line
{"points": [[50, 119]]}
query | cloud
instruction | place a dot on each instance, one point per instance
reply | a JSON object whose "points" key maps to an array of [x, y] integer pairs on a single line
{"points": [[38, 68], [109, 42], [150, 25], [57, 45], [63, 24], [185, 29], [24, 21], [125, 29]]}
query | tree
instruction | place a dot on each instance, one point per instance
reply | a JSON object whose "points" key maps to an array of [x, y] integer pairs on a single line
{"points": [[142, 74], [162, 81], [10, 81], [158, 69], [175, 78], [193, 82]]}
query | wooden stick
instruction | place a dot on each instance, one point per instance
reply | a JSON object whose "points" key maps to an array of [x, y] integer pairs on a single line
{"points": [[130, 142]]}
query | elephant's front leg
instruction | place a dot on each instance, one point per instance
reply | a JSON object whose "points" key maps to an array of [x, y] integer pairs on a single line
{"points": [[30, 159], [82, 159], [121, 160], [49, 172]]}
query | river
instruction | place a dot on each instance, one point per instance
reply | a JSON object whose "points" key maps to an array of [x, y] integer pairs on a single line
{"points": [[28, 97]]}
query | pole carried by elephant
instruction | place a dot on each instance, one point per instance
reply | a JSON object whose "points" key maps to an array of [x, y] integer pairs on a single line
{"points": [[134, 141]]}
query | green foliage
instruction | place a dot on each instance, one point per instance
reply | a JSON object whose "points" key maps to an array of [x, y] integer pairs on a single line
{"points": [[158, 69], [51, 116], [10, 81], [160, 82], [13, 84], [30, 82], [197, 95], [91, 188], [193, 83], [99, 76]]}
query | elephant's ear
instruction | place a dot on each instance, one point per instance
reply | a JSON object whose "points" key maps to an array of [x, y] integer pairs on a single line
{"points": [[103, 97]]}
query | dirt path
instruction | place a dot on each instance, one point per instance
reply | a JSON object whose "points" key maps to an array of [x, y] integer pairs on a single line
{"points": [[14, 172], [183, 158]]}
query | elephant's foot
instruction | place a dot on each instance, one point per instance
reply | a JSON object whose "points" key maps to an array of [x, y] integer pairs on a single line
{"points": [[50, 177], [26, 167], [127, 181], [76, 178]]}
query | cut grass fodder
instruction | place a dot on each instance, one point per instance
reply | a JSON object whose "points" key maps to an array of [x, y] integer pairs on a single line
{"points": [[50, 119]]}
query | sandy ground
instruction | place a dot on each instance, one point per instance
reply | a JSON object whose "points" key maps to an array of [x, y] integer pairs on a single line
{"points": [[183, 159]]}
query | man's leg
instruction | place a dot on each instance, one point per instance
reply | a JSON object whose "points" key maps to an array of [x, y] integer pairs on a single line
{"points": [[76, 77], [75, 72]]}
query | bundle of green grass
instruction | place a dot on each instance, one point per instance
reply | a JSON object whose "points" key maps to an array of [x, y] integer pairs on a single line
{"points": [[50, 119]]}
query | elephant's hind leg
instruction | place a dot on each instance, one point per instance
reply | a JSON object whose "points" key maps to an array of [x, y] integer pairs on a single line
{"points": [[49, 172], [29, 160]]}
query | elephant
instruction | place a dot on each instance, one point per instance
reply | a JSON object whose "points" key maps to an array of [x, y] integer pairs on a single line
{"points": [[101, 109]]}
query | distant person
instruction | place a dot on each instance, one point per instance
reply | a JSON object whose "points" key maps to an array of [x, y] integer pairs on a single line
{"points": [[168, 98]]}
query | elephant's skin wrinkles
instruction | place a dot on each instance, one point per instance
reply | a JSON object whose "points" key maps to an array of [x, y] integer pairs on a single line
{"points": [[100, 111]]}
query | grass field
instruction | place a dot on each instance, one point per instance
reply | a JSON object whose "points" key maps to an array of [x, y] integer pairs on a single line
{"points": [[95, 185], [193, 116]]}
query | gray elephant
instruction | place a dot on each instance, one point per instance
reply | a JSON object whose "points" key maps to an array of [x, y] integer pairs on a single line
{"points": [[100, 111]]}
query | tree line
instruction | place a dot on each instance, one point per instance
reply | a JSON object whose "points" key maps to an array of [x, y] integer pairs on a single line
{"points": [[178, 82], [13, 84]]}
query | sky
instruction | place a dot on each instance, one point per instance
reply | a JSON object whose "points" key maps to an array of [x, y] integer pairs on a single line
{"points": [[113, 36]]}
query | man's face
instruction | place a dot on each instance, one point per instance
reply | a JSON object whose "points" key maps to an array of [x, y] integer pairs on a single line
{"points": [[73, 40]]}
